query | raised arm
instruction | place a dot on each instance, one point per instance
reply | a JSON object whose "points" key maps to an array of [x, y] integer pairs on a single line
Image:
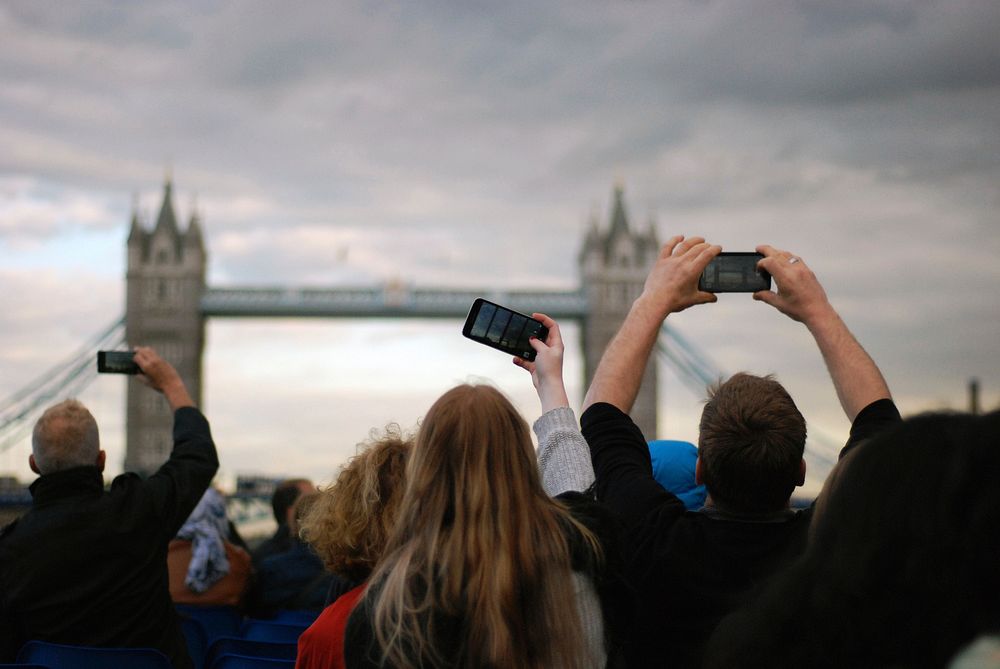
{"points": [[159, 375], [563, 455], [179, 483], [800, 296], [671, 286]]}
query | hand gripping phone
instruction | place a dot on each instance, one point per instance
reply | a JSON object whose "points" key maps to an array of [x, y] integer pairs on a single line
{"points": [[734, 273], [117, 362], [503, 329]]}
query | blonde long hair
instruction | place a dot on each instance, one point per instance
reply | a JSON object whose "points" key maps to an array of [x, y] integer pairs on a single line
{"points": [[478, 540]]}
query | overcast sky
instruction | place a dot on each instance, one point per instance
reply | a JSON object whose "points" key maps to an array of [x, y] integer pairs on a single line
{"points": [[466, 144]]}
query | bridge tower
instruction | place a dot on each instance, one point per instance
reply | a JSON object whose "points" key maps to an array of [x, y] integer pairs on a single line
{"points": [[165, 280], [613, 267]]}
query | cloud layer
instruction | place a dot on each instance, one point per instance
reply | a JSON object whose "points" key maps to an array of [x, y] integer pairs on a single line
{"points": [[468, 145]]}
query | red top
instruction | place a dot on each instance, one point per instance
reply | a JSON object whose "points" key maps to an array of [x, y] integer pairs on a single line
{"points": [[322, 645]]}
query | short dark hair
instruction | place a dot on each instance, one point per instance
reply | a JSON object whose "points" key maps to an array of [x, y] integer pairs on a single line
{"points": [[751, 440], [284, 497]]}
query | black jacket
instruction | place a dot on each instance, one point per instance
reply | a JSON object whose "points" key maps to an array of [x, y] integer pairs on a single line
{"points": [[689, 569], [88, 566]]}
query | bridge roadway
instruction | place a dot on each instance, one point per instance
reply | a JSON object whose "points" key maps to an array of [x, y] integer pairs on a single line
{"points": [[389, 301]]}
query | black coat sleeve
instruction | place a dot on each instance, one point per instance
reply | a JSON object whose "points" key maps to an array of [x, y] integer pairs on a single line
{"points": [[177, 486], [622, 466], [877, 417]]}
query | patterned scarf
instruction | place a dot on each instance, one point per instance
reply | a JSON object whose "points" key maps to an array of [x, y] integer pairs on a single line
{"points": [[206, 529]]}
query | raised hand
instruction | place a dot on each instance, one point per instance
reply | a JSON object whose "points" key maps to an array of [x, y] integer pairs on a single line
{"points": [[546, 370]]}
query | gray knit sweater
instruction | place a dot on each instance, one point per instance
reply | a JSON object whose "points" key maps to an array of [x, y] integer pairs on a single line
{"points": [[564, 463], [563, 454]]}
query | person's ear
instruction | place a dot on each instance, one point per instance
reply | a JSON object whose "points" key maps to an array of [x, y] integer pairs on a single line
{"points": [[699, 472], [34, 467], [101, 458], [802, 473]]}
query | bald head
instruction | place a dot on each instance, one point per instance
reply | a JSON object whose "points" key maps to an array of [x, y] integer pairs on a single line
{"points": [[65, 436]]}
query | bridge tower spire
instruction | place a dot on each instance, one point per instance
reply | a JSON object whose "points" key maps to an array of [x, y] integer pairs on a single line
{"points": [[165, 280], [613, 268]]}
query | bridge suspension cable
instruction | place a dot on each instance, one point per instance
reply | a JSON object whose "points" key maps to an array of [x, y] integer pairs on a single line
{"points": [[68, 378]]}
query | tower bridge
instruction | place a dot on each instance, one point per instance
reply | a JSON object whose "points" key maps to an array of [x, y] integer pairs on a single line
{"points": [[168, 302]]}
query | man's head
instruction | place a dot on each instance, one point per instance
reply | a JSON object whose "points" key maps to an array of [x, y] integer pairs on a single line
{"points": [[285, 495], [65, 436], [750, 444], [302, 506]]}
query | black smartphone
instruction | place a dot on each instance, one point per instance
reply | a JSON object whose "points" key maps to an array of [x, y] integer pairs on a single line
{"points": [[503, 329], [734, 273], [117, 362]]}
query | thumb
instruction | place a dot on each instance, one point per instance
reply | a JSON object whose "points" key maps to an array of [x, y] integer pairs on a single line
{"points": [[767, 296]]}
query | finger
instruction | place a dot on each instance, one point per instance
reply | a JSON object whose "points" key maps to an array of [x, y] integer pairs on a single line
{"points": [[689, 244], [555, 339], [555, 336], [667, 249], [144, 356], [767, 250], [767, 296], [768, 263], [524, 364], [141, 357], [537, 344], [707, 298], [705, 254]]}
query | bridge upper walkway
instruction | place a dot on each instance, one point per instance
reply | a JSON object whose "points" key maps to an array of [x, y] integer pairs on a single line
{"points": [[391, 301]]}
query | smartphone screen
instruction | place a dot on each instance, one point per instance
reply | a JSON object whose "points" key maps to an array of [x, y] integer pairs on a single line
{"points": [[734, 273], [503, 329], [116, 362]]}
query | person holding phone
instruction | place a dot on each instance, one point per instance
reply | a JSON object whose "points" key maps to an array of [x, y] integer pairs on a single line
{"points": [[568, 475], [87, 565], [484, 567], [689, 569]]}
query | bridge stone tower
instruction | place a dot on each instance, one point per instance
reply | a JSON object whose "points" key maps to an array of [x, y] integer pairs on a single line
{"points": [[614, 266], [165, 280]]}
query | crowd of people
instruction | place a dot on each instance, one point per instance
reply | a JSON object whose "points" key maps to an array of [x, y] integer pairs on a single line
{"points": [[462, 545]]}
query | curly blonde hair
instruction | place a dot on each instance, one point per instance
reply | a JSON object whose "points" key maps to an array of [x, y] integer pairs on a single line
{"points": [[350, 522]]}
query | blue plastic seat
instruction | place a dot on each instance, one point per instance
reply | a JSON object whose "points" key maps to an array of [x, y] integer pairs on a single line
{"points": [[243, 662], [250, 648], [197, 641], [57, 656], [215, 620], [296, 617], [267, 630]]}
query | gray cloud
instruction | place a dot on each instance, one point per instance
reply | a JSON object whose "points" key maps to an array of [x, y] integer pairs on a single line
{"points": [[466, 144]]}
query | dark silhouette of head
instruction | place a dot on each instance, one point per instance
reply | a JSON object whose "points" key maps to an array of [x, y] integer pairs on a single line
{"points": [[285, 495], [902, 566]]}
